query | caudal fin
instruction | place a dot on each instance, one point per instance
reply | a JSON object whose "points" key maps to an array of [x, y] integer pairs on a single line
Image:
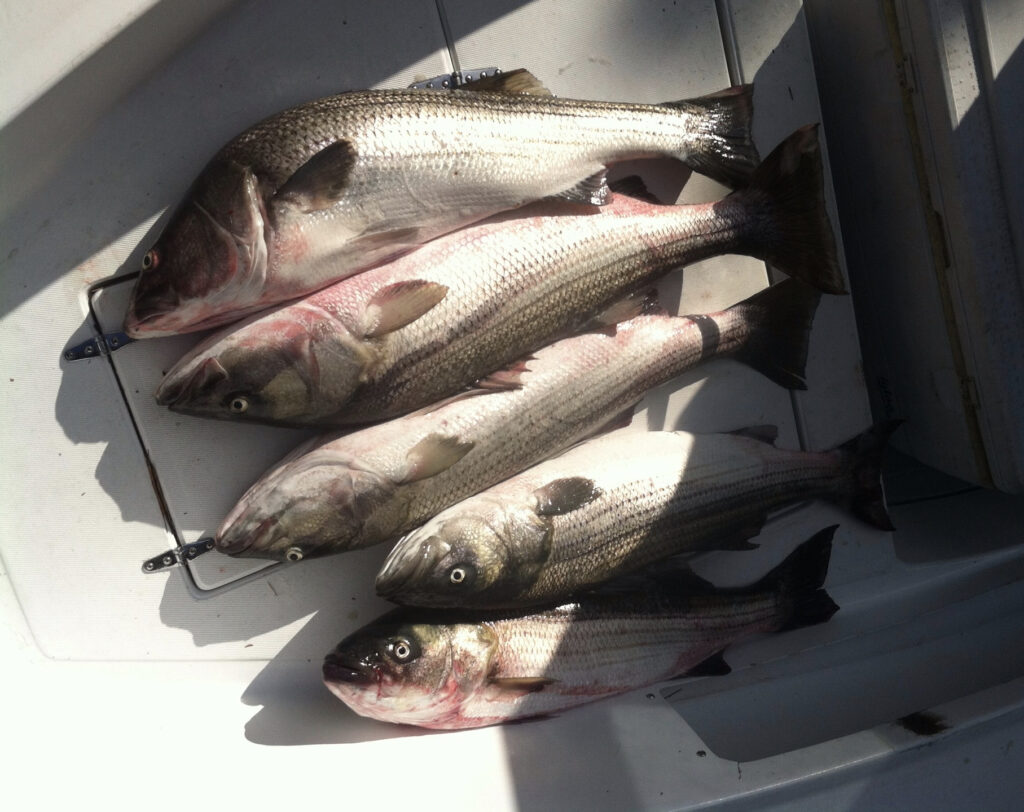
{"points": [[726, 150], [785, 209], [862, 463], [798, 579], [779, 320]]}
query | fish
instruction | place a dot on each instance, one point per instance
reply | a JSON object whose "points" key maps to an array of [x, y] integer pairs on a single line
{"points": [[452, 669], [399, 337], [336, 186], [615, 504], [349, 490]]}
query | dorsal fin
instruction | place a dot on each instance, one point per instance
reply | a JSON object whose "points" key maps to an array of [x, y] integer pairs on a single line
{"points": [[763, 434], [519, 81]]}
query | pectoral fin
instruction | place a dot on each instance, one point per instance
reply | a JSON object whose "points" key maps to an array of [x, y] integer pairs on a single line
{"points": [[400, 304], [520, 685], [432, 455], [321, 181], [565, 495]]}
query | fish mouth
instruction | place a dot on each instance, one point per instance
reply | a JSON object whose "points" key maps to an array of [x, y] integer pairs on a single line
{"points": [[233, 542], [406, 564], [151, 325], [169, 319], [336, 670], [180, 388], [151, 313]]}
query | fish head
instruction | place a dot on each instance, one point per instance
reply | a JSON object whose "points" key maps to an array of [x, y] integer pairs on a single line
{"points": [[482, 553], [211, 257], [316, 505], [418, 673], [295, 366]]}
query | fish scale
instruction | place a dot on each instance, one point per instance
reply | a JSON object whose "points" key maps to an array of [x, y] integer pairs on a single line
{"points": [[571, 646]]}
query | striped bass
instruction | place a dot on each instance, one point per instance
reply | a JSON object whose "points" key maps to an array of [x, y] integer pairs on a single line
{"points": [[347, 491], [402, 336], [446, 669], [614, 504], [333, 187]]}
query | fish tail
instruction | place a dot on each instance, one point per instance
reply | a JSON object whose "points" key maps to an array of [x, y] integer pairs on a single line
{"points": [[798, 580], [789, 224], [726, 150], [862, 464], [779, 322]]}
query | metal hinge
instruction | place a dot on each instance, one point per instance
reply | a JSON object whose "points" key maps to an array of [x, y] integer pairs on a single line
{"points": [[97, 346], [451, 81], [178, 556]]}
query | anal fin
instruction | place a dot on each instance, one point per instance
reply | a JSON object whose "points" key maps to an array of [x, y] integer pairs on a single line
{"points": [[636, 304], [592, 191], [763, 434], [713, 666], [620, 421], [507, 379]]}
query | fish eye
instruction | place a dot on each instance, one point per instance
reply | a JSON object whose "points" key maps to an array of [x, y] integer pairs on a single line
{"points": [[150, 260], [461, 574], [400, 649], [238, 404], [294, 554]]}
